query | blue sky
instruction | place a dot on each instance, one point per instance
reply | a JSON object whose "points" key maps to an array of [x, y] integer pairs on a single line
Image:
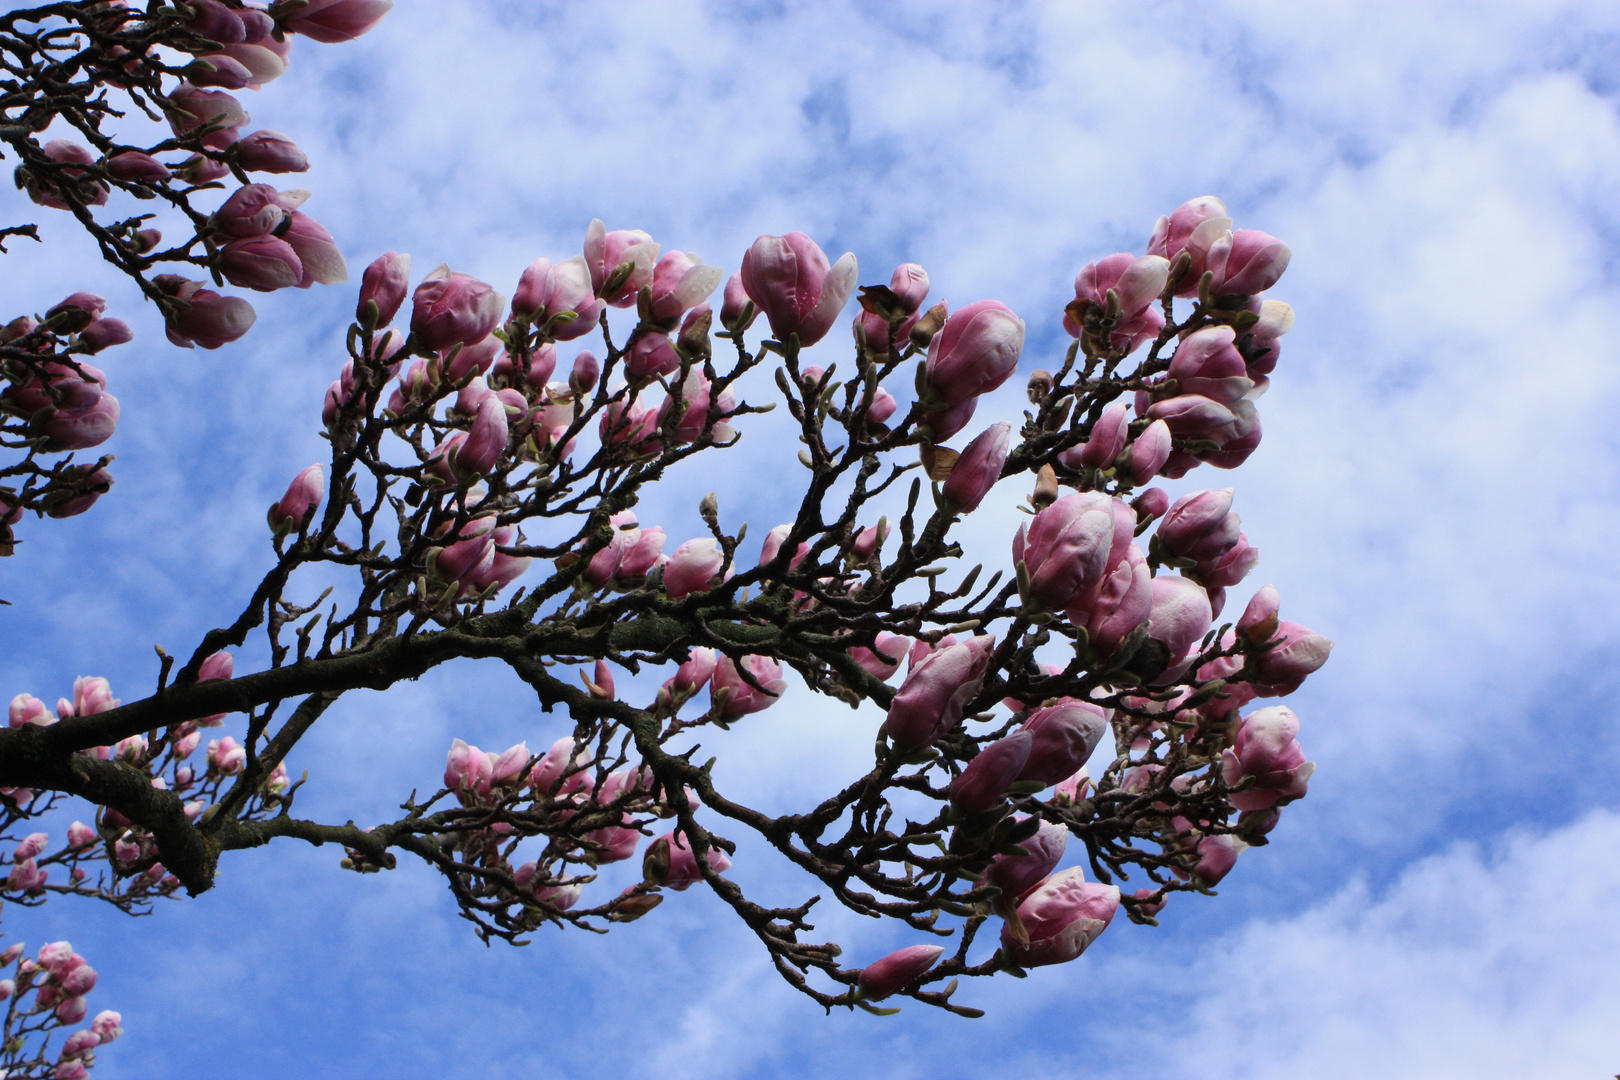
{"points": [[1436, 491]]}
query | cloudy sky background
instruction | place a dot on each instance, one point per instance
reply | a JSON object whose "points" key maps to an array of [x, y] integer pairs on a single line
{"points": [[1436, 491]]}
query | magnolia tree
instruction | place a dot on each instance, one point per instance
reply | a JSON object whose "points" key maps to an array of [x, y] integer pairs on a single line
{"points": [[479, 503]]}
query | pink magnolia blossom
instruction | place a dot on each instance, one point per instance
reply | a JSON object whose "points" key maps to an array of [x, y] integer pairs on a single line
{"points": [[1116, 605], [898, 970], [1230, 567], [697, 399], [30, 846], [271, 152], [1064, 736], [225, 756], [681, 281], [1207, 364], [1276, 319], [263, 263], [788, 279], [985, 780], [978, 468], [303, 494], [384, 283], [606, 251], [684, 871], [333, 21], [1065, 549], [1181, 614], [1016, 875], [909, 283], [104, 334], [1136, 283], [1200, 525], [546, 291], [975, 352], [1245, 262], [937, 690], [450, 308], [28, 709], [693, 567], [1194, 227], [735, 696], [1150, 451], [892, 648], [1062, 916], [1282, 669], [1266, 748], [107, 1025], [201, 316]]}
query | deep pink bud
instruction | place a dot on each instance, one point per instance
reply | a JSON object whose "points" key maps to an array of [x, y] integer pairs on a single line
{"points": [[734, 304], [1064, 737], [79, 835], [213, 20], [560, 759], [80, 1043], [253, 210], [384, 283], [1191, 414], [509, 765], [1065, 549], [104, 334], [80, 430], [271, 152], [1118, 604], [1259, 620], [1150, 505], [736, 697], [71, 1010], [1246, 262], [1016, 875], [485, 443], [909, 283], [466, 558], [937, 690], [992, 771], [681, 281], [502, 569], [974, 353], [1200, 526], [466, 770], [883, 407], [652, 355], [450, 308], [978, 469], [263, 263], [333, 21], [1150, 451], [134, 166], [203, 317], [303, 494], [696, 401], [1108, 437], [1238, 439], [788, 278], [898, 970], [693, 567], [585, 373], [606, 251], [79, 981]]}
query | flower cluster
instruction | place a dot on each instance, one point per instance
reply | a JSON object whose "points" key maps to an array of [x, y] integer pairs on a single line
{"points": [[45, 995]]}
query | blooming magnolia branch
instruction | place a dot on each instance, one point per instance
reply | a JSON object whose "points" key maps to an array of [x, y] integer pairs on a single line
{"points": [[481, 504], [78, 70]]}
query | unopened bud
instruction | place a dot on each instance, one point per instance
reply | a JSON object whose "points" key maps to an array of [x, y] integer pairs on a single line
{"points": [[1046, 488]]}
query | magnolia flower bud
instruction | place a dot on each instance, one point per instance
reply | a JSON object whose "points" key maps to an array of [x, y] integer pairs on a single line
{"points": [[1061, 917], [937, 690], [735, 696], [974, 353], [898, 970], [977, 469], [384, 283], [992, 771], [303, 494], [788, 278]]}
